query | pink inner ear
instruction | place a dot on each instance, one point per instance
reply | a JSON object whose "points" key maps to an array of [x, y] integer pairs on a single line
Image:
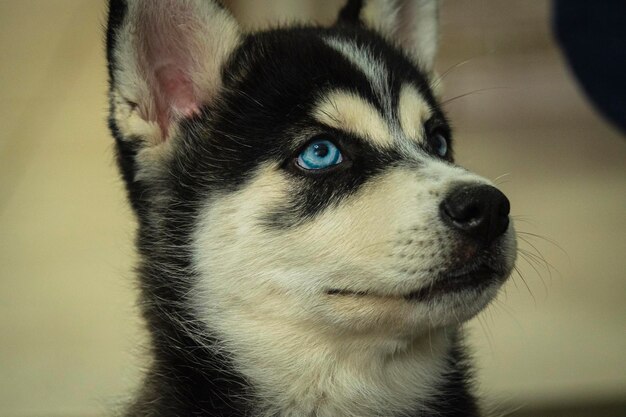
{"points": [[166, 35], [176, 96]]}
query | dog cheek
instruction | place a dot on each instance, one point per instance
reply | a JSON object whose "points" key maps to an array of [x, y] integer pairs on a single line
{"points": [[365, 231]]}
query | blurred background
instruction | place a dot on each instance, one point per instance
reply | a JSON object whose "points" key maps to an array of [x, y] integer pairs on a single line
{"points": [[554, 343]]}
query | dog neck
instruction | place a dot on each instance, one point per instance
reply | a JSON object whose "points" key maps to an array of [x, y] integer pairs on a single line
{"points": [[297, 370]]}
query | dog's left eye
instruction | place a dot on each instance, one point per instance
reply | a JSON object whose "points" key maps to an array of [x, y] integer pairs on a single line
{"points": [[319, 154]]}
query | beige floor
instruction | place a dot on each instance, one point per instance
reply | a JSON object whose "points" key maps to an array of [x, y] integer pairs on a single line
{"points": [[69, 331]]}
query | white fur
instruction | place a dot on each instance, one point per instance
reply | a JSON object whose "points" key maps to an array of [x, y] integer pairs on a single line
{"points": [[413, 111], [263, 292], [351, 113]]}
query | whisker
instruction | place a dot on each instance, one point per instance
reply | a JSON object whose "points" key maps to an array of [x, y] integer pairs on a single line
{"points": [[538, 260], [526, 284], [524, 256], [545, 238], [522, 219], [514, 283], [449, 70], [506, 410], [534, 263], [499, 177], [469, 93], [539, 255]]}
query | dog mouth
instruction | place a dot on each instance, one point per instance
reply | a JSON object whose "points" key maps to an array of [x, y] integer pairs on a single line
{"points": [[474, 278]]}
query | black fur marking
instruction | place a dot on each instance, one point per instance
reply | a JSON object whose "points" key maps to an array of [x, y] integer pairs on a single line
{"points": [[351, 12], [117, 12], [453, 398]]}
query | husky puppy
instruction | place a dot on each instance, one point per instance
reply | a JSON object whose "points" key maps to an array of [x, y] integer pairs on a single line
{"points": [[308, 245]]}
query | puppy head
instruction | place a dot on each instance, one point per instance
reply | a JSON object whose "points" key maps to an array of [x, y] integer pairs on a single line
{"points": [[301, 175]]}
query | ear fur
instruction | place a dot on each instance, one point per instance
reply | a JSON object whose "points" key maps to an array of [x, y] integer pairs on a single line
{"points": [[165, 58], [411, 24]]}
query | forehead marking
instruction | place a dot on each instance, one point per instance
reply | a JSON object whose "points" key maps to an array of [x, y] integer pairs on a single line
{"points": [[349, 112], [413, 111], [374, 69]]}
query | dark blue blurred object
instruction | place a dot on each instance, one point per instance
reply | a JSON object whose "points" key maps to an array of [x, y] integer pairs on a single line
{"points": [[593, 37]]}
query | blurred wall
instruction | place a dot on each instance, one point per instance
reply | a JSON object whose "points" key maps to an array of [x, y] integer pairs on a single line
{"points": [[71, 338]]}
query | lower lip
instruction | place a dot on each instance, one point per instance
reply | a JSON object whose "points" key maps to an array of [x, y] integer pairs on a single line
{"points": [[477, 279], [474, 280]]}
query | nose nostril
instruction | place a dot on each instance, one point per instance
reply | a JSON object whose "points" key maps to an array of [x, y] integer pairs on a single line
{"points": [[472, 213], [462, 210]]}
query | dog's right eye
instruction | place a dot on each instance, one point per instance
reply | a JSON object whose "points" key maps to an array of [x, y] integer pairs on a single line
{"points": [[318, 155]]}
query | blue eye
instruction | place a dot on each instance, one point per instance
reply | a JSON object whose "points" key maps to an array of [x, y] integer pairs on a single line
{"points": [[440, 144], [319, 154]]}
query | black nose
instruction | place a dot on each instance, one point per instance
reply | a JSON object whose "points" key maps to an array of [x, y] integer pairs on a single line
{"points": [[479, 211]]}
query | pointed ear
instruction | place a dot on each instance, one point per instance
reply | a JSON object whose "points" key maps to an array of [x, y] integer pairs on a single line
{"points": [[165, 59], [411, 24]]}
